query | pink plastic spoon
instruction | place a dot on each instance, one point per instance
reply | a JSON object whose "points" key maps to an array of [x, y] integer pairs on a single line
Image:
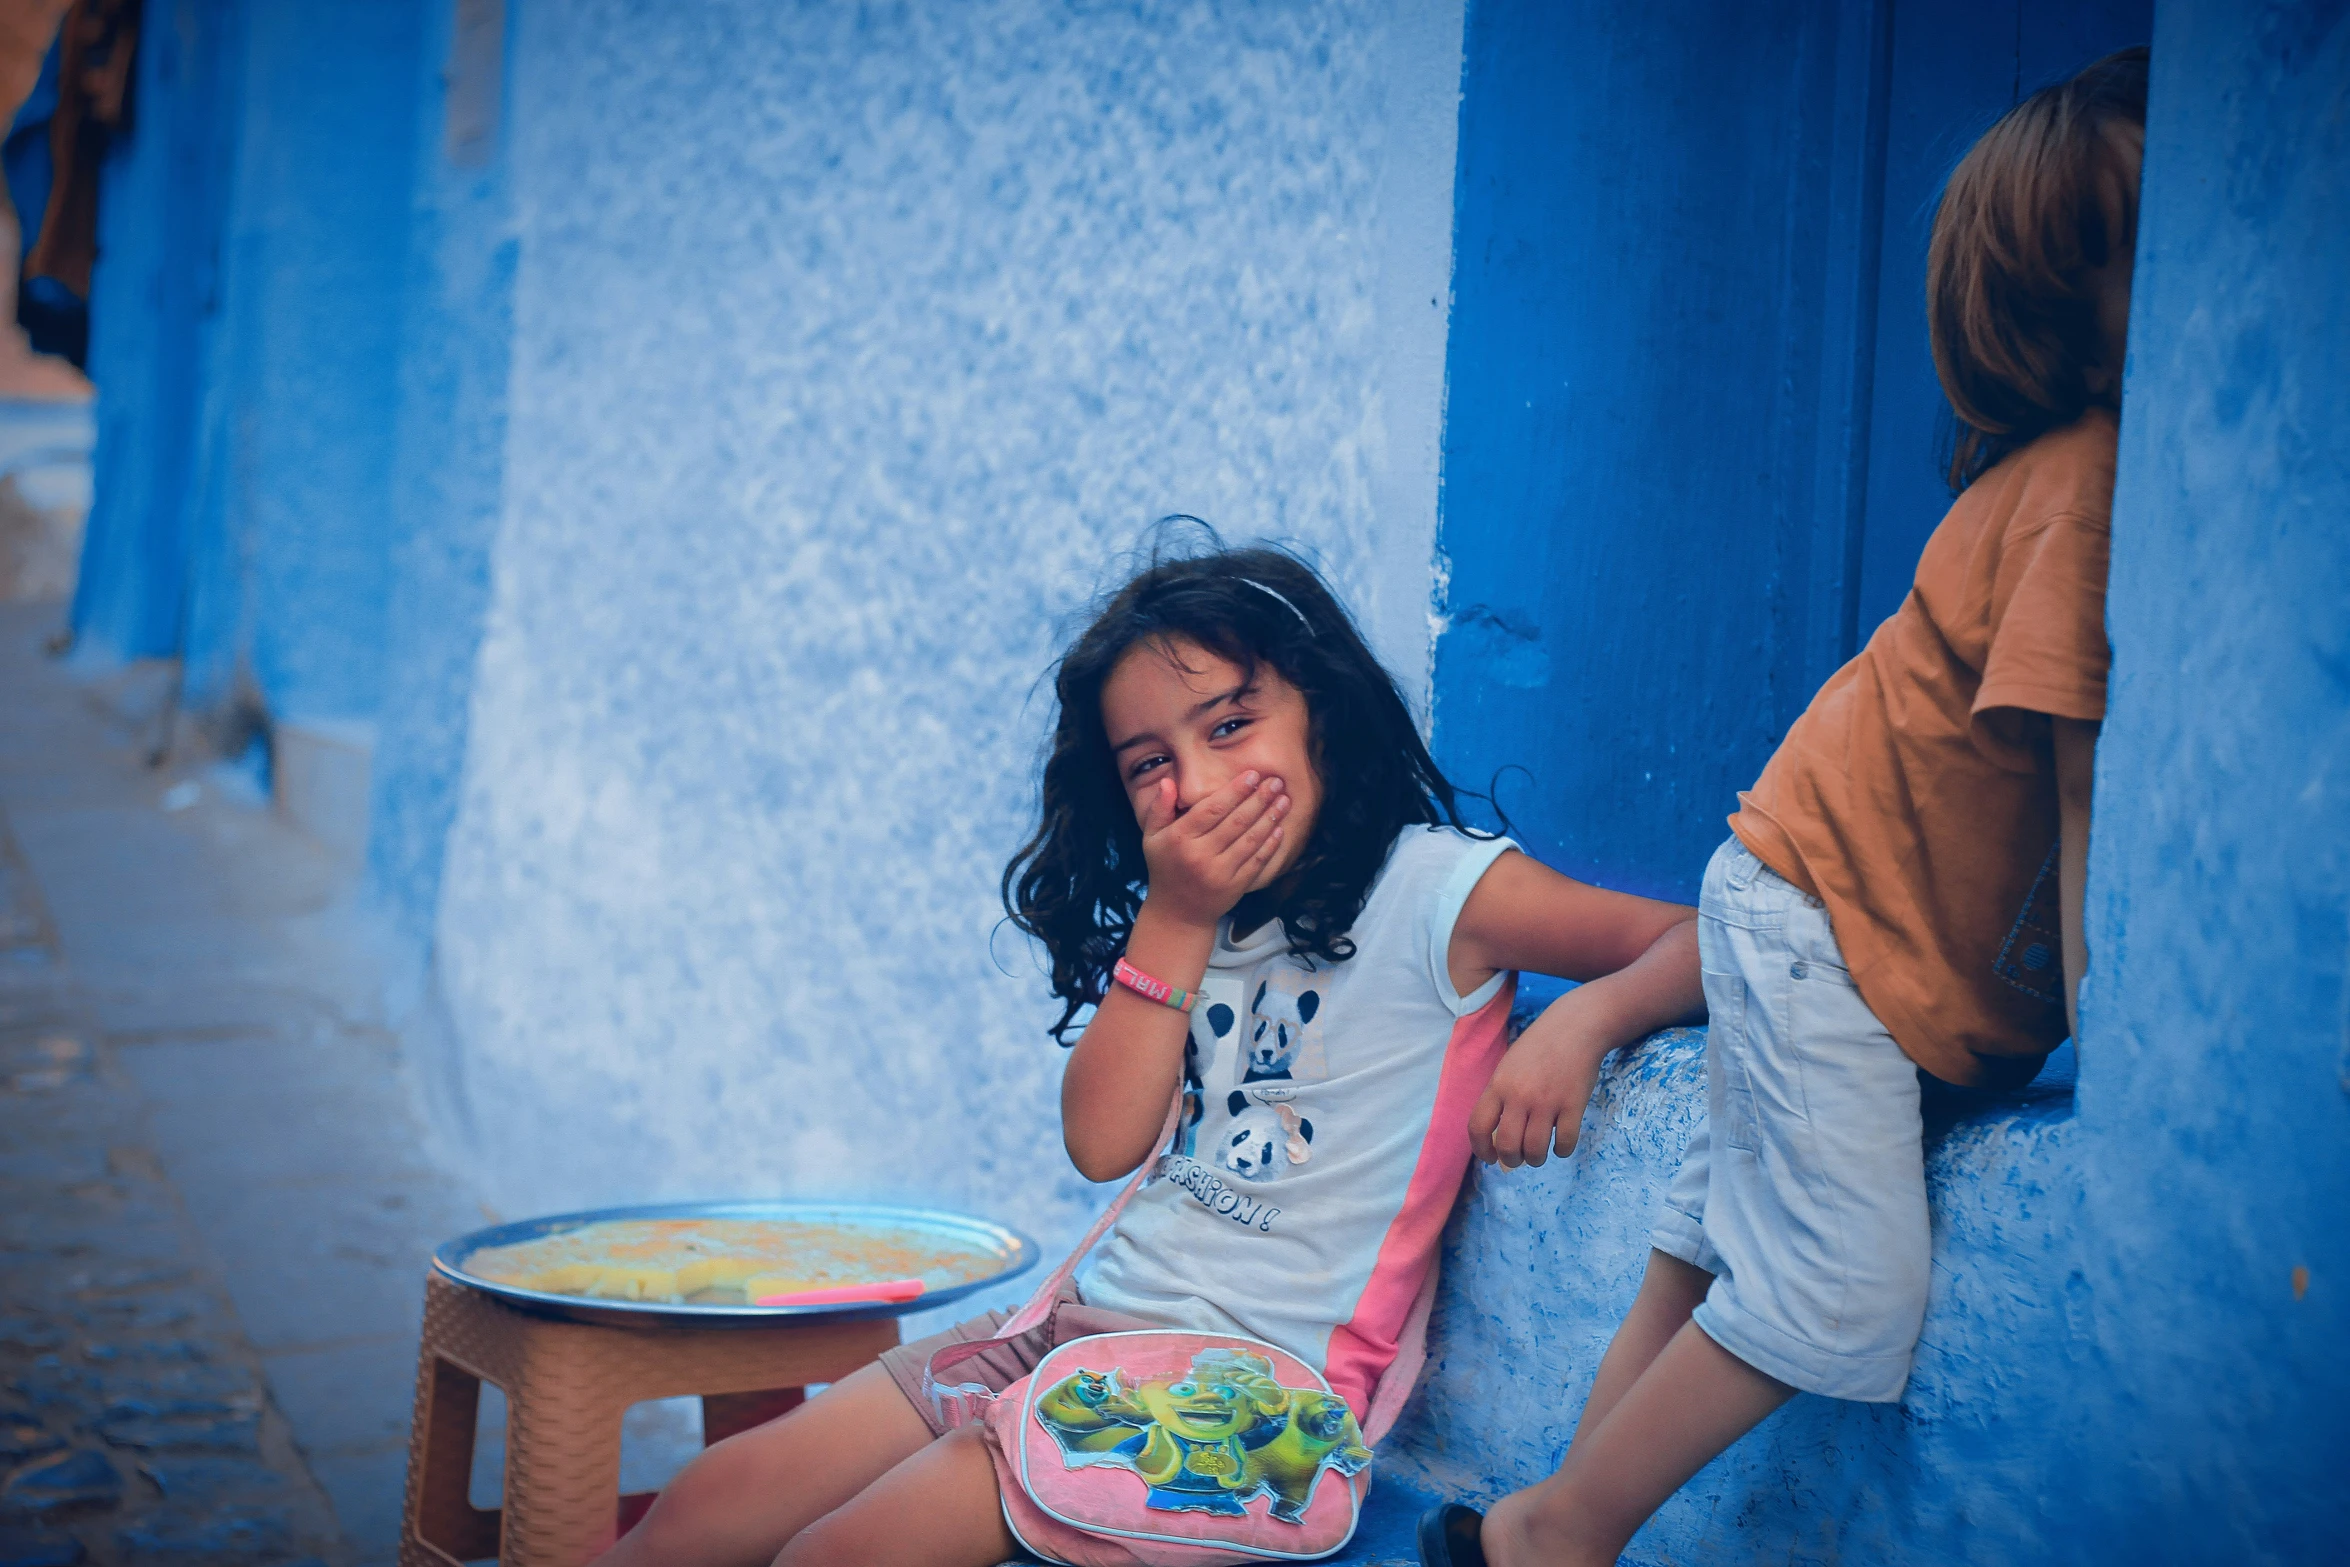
{"points": [[847, 1294]]}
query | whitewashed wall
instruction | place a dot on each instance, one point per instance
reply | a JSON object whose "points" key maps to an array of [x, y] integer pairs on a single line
{"points": [[851, 346]]}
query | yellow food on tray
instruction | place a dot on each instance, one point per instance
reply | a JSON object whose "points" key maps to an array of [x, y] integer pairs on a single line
{"points": [[721, 1261]]}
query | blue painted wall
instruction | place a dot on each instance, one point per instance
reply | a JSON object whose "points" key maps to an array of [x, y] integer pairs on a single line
{"points": [[1542, 1264], [447, 485], [1950, 70], [1655, 334], [317, 238], [688, 495], [2131, 1352], [250, 317], [843, 365], [154, 334], [2216, 1073], [684, 497], [1690, 385]]}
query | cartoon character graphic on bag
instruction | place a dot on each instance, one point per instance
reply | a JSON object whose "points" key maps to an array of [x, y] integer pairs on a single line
{"points": [[1210, 1440]]}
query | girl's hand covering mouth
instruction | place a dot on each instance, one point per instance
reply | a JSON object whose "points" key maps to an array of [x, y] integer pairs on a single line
{"points": [[1206, 859]]}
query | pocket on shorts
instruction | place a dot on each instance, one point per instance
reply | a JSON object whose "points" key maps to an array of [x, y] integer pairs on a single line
{"points": [[1812, 952], [1731, 1108], [1820, 971]]}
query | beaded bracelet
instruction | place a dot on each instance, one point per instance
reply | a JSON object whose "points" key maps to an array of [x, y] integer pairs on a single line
{"points": [[1151, 989]]}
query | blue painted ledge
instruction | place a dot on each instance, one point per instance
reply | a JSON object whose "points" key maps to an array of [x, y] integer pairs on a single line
{"points": [[1542, 1264]]}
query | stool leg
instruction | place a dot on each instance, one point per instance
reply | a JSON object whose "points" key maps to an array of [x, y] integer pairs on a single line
{"points": [[441, 1524], [562, 1472], [726, 1414]]}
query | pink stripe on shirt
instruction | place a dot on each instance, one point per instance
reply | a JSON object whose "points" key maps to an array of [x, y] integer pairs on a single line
{"points": [[1362, 1348]]}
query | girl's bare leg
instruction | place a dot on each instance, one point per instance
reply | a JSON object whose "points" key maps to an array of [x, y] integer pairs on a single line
{"points": [[739, 1501], [1669, 1291], [939, 1508], [1694, 1399]]}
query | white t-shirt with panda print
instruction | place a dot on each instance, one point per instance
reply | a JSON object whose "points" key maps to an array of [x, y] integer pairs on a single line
{"points": [[1325, 1128]]}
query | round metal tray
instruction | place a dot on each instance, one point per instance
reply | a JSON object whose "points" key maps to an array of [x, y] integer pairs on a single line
{"points": [[1015, 1254]]}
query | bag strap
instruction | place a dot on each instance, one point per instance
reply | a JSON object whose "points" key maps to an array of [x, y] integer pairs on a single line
{"points": [[960, 1404]]}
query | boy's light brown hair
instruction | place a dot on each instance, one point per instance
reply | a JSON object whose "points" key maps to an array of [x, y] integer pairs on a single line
{"points": [[2047, 196]]}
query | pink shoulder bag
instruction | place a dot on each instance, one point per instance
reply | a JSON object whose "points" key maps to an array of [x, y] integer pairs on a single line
{"points": [[1169, 1448]]}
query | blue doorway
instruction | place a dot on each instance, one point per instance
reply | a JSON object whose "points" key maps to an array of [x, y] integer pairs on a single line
{"points": [[1692, 429]]}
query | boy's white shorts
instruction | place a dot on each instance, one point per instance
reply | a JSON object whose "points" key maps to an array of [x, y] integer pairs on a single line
{"points": [[1804, 1190]]}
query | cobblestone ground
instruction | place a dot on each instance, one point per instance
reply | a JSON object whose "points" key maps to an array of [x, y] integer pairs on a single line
{"points": [[216, 1207], [135, 1426]]}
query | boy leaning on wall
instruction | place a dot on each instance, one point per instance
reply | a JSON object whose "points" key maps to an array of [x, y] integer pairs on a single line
{"points": [[1902, 887]]}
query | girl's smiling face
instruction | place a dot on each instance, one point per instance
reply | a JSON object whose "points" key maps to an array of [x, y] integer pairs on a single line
{"points": [[1176, 712]]}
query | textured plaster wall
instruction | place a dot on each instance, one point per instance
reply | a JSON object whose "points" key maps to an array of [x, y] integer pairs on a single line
{"points": [[1690, 384], [1951, 69], [2132, 1350], [153, 344], [850, 347], [1542, 1264], [2217, 1081], [1661, 240], [246, 323], [771, 382], [448, 489], [296, 470]]}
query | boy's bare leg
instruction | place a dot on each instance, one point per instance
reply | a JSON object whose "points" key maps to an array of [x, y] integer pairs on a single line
{"points": [[739, 1501], [940, 1508], [1694, 1400], [1669, 1291]]}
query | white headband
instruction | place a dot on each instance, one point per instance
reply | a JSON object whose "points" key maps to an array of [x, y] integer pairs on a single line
{"points": [[1283, 601]]}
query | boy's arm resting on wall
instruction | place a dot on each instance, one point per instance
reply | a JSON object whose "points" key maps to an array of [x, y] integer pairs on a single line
{"points": [[2076, 764], [1637, 958]]}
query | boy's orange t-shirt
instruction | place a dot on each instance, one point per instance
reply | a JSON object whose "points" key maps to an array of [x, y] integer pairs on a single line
{"points": [[1916, 796]]}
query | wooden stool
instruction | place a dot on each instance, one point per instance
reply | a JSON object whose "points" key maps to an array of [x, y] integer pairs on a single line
{"points": [[567, 1384]]}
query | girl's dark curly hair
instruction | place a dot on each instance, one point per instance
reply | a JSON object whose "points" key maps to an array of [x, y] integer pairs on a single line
{"points": [[1078, 882]]}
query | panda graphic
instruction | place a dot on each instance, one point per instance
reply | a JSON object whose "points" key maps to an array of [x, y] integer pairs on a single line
{"points": [[1216, 1019], [1279, 1019], [1263, 1140]]}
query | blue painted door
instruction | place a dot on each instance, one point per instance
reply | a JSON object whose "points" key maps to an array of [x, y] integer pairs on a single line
{"points": [[1951, 76], [1691, 417], [154, 318]]}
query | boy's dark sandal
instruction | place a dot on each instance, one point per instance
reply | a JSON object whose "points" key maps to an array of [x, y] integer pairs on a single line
{"points": [[1449, 1537]]}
